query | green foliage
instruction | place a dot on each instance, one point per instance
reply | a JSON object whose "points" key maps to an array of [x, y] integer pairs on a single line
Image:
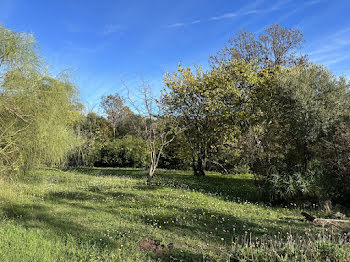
{"points": [[93, 132], [210, 105], [115, 110], [305, 104], [290, 184], [177, 155], [334, 152], [35, 109], [124, 152]]}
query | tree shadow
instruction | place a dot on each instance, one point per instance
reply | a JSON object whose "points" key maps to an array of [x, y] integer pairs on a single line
{"points": [[39, 216], [184, 255], [36, 215], [227, 187], [134, 173]]}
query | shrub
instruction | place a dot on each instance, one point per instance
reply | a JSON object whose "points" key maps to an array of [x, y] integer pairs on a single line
{"points": [[293, 184], [335, 155], [125, 152]]}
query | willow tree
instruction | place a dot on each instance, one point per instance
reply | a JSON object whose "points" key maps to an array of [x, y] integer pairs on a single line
{"points": [[35, 109]]}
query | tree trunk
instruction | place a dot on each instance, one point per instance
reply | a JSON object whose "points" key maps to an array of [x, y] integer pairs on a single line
{"points": [[199, 163], [200, 166], [150, 175]]}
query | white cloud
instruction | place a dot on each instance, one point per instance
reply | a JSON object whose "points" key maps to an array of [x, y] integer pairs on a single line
{"points": [[176, 25], [195, 22], [224, 16], [331, 49], [183, 24]]}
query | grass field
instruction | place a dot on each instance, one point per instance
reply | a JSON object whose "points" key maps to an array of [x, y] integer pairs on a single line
{"points": [[111, 215]]}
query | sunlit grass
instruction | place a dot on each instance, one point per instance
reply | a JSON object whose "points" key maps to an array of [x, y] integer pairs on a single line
{"points": [[104, 214]]}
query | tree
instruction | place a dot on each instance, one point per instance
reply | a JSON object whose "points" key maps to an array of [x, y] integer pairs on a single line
{"points": [[158, 128], [93, 131], [283, 146], [113, 106], [275, 46], [334, 152], [212, 105], [35, 109], [309, 100]]}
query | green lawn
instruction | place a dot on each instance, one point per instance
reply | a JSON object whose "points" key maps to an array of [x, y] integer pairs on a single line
{"points": [[109, 214]]}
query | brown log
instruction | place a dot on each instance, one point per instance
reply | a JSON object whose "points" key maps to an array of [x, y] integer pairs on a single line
{"points": [[308, 216], [321, 221]]}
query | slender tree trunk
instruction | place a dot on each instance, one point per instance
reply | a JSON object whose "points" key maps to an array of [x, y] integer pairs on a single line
{"points": [[150, 175], [114, 131], [199, 162]]}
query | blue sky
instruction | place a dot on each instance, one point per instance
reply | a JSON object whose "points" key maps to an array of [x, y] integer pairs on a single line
{"points": [[104, 42]]}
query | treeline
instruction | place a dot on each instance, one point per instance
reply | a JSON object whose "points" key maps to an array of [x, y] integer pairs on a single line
{"points": [[261, 107]]}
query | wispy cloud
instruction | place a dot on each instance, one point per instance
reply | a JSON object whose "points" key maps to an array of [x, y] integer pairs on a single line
{"points": [[245, 11], [315, 2], [175, 25], [250, 9], [183, 24], [195, 22], [331, 49], [224, 16], [112, 28]]}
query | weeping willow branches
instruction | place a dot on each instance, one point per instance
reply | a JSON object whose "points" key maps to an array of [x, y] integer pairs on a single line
{"points": [[35, 109]]}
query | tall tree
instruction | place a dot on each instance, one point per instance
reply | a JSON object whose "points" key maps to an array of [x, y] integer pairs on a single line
{"points": [[35, 109], [211, 105], [113, 106], [275, 46]]}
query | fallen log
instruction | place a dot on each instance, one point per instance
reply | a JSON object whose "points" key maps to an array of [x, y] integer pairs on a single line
{"points": [[308, 217], [322, 221]]}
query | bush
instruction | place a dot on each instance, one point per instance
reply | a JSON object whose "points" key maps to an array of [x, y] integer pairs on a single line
{"points": [[124, 152], [335, 155], [293, 184]]}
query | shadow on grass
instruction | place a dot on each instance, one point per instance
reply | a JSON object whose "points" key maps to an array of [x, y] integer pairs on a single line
{"points": [[227, 187], [213, 227], [119, 172], [39, 216], [184, 255]]}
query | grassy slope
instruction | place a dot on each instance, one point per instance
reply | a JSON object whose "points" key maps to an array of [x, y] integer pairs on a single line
{"points": [[103, 214]]}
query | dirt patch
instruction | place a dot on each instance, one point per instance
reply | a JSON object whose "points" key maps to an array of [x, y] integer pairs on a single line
{"points": [[155, 246]]}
